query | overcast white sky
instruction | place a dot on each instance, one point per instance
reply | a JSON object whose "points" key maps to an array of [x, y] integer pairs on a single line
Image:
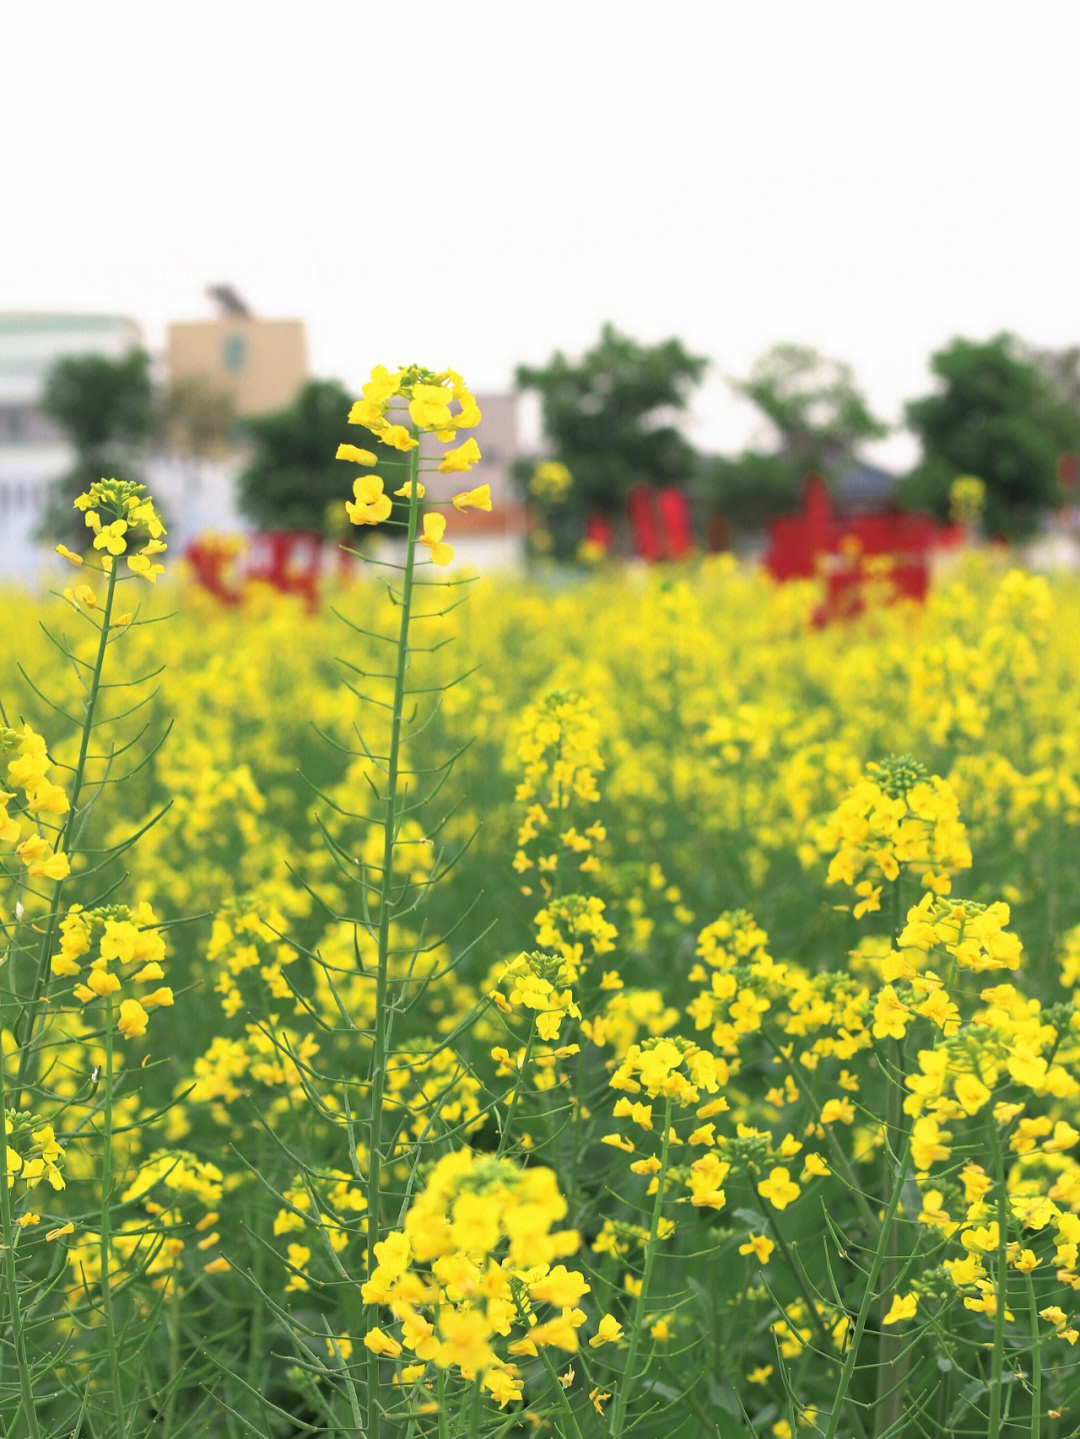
{"points": [[479, 184]]}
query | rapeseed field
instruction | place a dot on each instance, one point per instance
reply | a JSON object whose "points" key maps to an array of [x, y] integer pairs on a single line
{"points": [[486, 1007]]}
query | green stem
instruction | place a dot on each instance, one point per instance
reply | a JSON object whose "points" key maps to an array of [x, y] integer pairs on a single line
{"points": [[871, 1219], [1036, 1362], [892, 1361], [113, 1356], [560, 1394], [869, 1294], [7, 1227], [172, 1322], [504, 1138], [796, 1271], [257, 1213], [474, 1411], [622, 1395], [444, 1425], [34, 1003], [575, 1133], [379, 1059], [997, 1362]]}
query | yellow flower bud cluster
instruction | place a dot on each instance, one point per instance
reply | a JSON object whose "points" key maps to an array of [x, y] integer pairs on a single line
{"points": [[429, 396], [1043, 1232], [741, 984], [230, 1066], [675, 1070], [967, 497], [895, 817], [135, 529], [32, 1151], [28, 770], [474, 1261], [250, 956], [540, 982], [734, 938], [570, 922], [667, 1068], [129, 951], [627, 1013], [339, 1194], [620, 1239]]}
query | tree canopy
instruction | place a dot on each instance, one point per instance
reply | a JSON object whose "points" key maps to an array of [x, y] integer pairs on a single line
{"points": [[814, 403], [197, 417], [820, 417], [107, 410], [102, 403], [998, 415], [609, 417], [292, 480]]}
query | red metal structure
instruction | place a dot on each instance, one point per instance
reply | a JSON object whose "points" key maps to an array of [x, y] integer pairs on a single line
{"points": [[289, 560], [843, 548], [849, 551], [660, 525]]}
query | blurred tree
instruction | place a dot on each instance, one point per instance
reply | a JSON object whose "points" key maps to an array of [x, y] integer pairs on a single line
{"points": [[197, 419], [106, 409], [820, 418], [819, 413], [197, 423], [609, 417], [1001, 417], [102, 403], [747, 491], [1062, 371], [292, 480]]}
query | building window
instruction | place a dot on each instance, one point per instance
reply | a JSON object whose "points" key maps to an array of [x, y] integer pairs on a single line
{"points": [[235, 352]]}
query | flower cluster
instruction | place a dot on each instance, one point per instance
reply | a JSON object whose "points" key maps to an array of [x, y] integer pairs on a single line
{"points": [[974, 934], [429, 397], [126, 949], [559, 752], [575, 926], [319, 1212], [896, 817], [244, 941], [471, 1268], [550, 480], [135, 529], [967, 499], [180, 1197], [33, 1153], [539, 982], [28, 770]]}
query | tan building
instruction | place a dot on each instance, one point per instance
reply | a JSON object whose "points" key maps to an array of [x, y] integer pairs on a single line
{"points": [[260, 364]]}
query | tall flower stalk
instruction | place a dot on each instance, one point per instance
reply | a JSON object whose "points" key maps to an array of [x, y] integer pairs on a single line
{"points": [[107, 950], [437, 404]]}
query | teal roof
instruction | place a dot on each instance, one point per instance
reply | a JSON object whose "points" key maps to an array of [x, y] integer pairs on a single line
{"points": [[18, 323]]}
